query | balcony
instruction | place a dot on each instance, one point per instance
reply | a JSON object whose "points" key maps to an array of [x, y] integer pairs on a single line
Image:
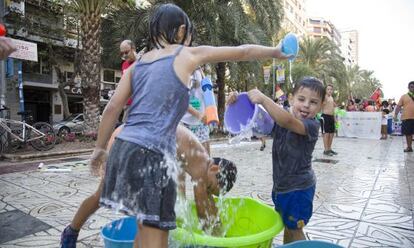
{"points": [[38, 78]]}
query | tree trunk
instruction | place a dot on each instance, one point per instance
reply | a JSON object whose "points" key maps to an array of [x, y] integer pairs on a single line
{"points": [[60, 82], [90, 68], [62, 93], [221, 96]]}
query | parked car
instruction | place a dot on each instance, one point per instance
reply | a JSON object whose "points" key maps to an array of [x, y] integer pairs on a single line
{"points": [[72, 124]]}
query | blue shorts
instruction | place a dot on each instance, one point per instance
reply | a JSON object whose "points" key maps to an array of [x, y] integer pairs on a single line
{"points": [[295, 207]]}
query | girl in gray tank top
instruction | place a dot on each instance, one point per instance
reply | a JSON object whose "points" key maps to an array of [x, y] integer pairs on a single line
{"points": [[138, 172]]}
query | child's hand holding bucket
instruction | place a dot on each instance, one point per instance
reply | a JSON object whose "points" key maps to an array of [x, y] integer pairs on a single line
{"points": [[232, 97], [256, 96]]}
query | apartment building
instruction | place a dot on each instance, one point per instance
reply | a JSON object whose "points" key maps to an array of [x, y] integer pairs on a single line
{"points": [[295, 18], [349, 46], [319, 27], [46, 25]]}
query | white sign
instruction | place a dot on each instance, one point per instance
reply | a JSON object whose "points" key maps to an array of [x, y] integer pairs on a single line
{"points": [[25, 50], [360, 125]]}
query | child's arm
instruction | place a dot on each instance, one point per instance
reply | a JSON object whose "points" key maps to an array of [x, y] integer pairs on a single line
{"points": [[210, 54], [205, 205], [194, 112], [278, 114], [109, 117]]}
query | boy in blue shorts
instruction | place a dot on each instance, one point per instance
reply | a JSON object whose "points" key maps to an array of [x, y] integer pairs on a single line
{"points": [[295, 137]]}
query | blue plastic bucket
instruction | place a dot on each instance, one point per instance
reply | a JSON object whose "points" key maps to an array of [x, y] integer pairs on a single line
{"points": [[290, 45], [120, 233], [311, 244]]}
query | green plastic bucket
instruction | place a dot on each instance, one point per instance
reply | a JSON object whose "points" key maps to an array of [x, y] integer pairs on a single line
{"points": [[251, 224]]}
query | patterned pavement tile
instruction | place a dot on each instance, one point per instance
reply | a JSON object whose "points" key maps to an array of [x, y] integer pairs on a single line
{"points": [[365, 200], [374, 235], [388, 214]]}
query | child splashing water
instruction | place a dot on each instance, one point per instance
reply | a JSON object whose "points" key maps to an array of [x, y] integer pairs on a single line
{"points": [[137, 179], [295, 136]]}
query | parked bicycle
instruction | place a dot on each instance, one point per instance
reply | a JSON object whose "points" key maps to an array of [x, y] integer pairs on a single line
{"points": [[16, 134]]}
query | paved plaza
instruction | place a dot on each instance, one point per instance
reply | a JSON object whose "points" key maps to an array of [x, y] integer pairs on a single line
{"points": [[364, 196]]}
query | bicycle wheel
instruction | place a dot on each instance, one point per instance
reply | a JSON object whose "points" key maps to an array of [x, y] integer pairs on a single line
{"points": [[47, 141]]}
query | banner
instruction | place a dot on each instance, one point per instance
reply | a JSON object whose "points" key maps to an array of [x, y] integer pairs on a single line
{"points": [[266, 74], [279, 91], [360, 125], [280, 74]]}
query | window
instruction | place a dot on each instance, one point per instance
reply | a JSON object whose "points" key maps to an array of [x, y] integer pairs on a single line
{"points": [[117, 79], [109, 76], [68, 76], [317, 30], [40, 67]]}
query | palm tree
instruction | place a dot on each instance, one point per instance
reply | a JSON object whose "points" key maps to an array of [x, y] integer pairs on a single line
{"points": [[90, 15]]}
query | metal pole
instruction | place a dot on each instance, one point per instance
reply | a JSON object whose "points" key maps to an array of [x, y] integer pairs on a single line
{"points": [[2, 65], [21, 96]]}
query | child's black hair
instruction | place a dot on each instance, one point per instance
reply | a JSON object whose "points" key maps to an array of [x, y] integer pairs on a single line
{"points": [[227, 175], [313, 84], [164, 24], [386, 111]]}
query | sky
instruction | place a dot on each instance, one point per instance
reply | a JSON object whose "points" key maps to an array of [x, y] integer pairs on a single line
{"points": [[386, 36]]}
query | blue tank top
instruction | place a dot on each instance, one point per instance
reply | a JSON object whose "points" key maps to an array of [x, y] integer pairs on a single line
{"points": [[159, 101]]}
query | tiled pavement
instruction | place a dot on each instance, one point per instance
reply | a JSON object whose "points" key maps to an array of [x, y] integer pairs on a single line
{"points": [[366, 199]]}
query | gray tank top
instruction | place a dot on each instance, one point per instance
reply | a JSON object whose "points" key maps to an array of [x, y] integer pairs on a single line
{"points": [[159, 101]]}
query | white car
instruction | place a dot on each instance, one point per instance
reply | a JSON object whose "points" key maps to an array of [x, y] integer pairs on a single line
{"points": [[72, 124]]}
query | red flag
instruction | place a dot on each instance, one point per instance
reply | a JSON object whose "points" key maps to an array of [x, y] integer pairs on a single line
{"points": [[376, 94]]}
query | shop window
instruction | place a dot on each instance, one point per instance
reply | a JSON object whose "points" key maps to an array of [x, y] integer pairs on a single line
{"points": [[109, 76]]}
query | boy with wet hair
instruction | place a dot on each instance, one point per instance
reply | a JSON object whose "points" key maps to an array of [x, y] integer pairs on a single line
{"points": [[296, 133]]}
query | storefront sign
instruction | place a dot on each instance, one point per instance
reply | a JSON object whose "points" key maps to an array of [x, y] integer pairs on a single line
{"points": [[25, 50], [73, 90], [360, 125]]}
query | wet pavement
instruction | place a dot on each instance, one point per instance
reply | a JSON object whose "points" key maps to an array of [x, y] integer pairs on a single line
{"points": [[364, 195]]}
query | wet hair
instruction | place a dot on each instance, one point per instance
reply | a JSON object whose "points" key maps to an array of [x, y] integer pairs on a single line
{"points": [[385, 103], [164, 24], [386, 111], [410, 83], [227, 175], [313, 84], [329, 85]]}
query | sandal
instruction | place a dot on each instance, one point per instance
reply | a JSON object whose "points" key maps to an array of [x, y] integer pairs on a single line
{"points": [[408, 149], [262, 147]]}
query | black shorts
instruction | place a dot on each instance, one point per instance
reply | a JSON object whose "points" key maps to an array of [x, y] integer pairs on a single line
{"points": [[407, 127], [137, 183], [327, 123]]}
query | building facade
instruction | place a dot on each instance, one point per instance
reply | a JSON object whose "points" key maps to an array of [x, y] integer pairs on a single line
{"points": [[349, 47], [295, 17], [46, 25], [319, 27]]}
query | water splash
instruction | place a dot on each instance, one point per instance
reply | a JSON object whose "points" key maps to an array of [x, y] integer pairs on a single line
{"points": [[246, 132]]}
